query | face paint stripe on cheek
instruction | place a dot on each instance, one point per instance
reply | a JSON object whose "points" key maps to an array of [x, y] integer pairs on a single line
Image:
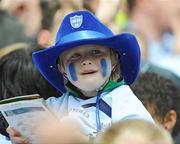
{"points": [[104, 66], [72, 72]]}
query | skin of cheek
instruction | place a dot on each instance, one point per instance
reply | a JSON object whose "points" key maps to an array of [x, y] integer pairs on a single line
{"points": [[106, 67], [71, 72]]}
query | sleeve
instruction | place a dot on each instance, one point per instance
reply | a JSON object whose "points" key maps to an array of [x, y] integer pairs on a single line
{"points": [[125, 105], [4, 140]]}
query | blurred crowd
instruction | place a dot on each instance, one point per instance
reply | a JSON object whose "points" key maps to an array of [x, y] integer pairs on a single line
{"points": [[156, 24]]}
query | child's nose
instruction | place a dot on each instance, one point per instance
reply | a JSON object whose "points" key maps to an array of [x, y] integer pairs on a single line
{"points": [[86, 62]]}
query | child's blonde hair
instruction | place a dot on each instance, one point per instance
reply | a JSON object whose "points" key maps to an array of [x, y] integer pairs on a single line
{"points": [[138, 131], [116, 72]]}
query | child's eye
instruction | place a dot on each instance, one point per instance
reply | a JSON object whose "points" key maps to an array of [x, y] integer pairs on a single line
{"points": [[96, 52], [75, 56]]}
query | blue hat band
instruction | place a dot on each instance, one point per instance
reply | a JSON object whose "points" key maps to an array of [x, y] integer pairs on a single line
{"points": [[81, 35]]}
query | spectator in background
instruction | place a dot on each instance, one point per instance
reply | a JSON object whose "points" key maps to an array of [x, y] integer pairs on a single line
{"points": [[157, 25], [135, 132], [106, 11], [161, 97], [19, 76], [45, 36], [91, 5], [37, 17], [28, 12], [149, 67], [11, 31]]}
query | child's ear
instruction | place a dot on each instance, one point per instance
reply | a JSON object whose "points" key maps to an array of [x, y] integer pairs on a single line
{"points": [[170, 120]]}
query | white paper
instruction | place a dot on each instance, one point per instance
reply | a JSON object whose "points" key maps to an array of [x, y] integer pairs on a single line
{"points": [[25, 116]]}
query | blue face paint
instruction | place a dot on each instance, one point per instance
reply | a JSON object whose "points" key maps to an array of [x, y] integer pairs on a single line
{"points": [[72, 71], [104, 66]]}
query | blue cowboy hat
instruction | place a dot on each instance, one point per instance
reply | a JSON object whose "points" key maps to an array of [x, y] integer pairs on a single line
{"points": [[82, 28]]}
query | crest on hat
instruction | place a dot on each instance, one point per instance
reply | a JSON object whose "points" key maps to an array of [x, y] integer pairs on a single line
{"points": [[76, 21]]}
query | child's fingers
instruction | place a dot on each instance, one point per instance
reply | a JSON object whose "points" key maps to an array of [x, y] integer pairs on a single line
{"points": [[15, 136], [12, 132], [19, 140]]}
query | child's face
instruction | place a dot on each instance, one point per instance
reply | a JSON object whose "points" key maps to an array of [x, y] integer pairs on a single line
{"points": [[87, 67]]}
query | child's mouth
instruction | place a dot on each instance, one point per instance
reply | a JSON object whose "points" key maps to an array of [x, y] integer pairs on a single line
{"points": [[88, 72]]}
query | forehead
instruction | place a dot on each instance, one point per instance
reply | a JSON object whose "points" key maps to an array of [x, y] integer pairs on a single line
{"points": [[84, 48]]}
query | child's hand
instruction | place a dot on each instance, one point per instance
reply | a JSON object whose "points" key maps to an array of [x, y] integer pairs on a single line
{"points": [[53, 132], [16, 137]]}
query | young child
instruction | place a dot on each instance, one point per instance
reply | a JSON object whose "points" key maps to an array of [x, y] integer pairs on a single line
{"points": [[161, 97], [135, 132], [93, 68]]}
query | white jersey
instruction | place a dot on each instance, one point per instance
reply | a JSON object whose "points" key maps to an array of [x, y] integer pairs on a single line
{"points": [[118, 104]]}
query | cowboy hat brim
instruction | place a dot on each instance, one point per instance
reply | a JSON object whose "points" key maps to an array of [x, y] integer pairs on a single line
{"points": [[124, 44]]}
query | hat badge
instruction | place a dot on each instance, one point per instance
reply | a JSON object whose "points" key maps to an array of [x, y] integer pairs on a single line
{"points": [[76, 21]]}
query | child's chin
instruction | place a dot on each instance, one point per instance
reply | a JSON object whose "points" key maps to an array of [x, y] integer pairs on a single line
{"points": [[91, 85]]}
